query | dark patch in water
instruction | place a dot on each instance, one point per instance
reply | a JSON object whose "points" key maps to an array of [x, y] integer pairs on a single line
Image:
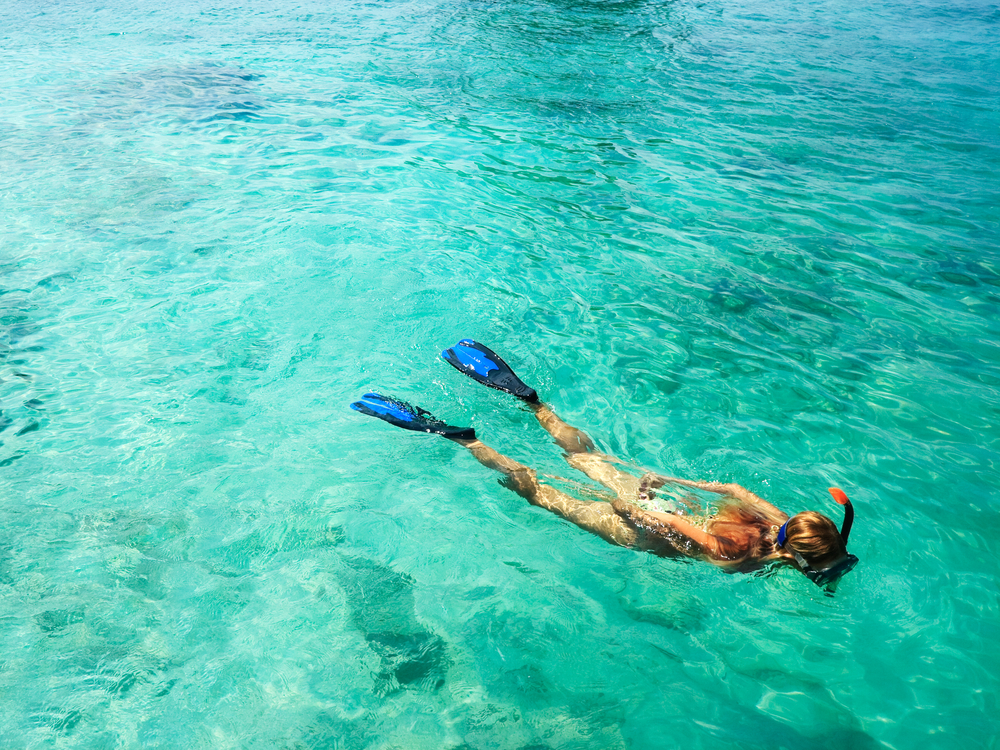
{"points": [[480, 592], [165, 690], [30, 427], [11, 459], [409, 660], [763, 733], [384, 610], [122, 686], [53, 281], [54, 620], [67, 722]]}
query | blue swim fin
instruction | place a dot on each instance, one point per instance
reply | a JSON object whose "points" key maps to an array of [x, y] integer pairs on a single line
{"points": [[408, 417], [485, 366]]}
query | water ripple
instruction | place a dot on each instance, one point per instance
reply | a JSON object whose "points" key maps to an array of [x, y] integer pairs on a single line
{"points": [[741, 242]]}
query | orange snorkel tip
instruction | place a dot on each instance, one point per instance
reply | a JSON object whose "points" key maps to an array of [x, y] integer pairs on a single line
{"points": [[841, 497]]}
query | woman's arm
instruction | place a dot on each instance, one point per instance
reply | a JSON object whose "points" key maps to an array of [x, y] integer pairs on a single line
{"points": [[740, 493], [714, 546]]}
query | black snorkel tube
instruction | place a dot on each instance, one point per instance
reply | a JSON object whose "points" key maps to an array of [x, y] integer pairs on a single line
{"points": [[841, 497], [828, 576]]}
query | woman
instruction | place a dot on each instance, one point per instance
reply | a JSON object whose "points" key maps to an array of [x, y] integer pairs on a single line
{"points": [[745, 533]]}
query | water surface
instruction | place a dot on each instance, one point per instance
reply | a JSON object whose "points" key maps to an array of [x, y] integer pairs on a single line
{"points": [[749, 242]]}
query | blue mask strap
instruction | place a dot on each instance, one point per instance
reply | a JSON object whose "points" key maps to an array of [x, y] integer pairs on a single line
{"points": [[782, 535]]}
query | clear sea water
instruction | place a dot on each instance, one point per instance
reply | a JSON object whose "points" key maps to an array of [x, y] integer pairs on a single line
{"points": [[755, 242]]}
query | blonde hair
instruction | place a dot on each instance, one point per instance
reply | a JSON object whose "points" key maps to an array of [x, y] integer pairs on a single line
{"points": [[748, 530], [815, 537]]}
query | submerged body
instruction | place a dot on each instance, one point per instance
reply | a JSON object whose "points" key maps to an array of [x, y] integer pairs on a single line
{"points": [[745, 533], [741, 535]]}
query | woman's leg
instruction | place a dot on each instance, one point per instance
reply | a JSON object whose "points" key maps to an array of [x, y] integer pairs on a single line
{"points": [[582, 454], [597, 517], [567, 437]]}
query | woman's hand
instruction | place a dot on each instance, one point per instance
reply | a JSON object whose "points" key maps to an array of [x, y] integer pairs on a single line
{"points": [[639, 517], [674, 529], [742, 494]]}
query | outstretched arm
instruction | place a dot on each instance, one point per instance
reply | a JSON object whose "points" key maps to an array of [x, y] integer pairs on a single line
{"points": [[740, 493], [716, 547]]}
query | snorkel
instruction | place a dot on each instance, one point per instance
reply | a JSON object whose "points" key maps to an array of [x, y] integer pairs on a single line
{"points": [[831, 574]]}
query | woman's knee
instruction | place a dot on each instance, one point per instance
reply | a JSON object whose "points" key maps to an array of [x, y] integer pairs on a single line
{"points": [[572, 440], [523, 481]]}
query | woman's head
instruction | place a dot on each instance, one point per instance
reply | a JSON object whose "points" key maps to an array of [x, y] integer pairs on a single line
{"points": [[815, 538], [817, 547]]}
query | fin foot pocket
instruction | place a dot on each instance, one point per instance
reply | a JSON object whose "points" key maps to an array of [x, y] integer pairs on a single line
{"points": [[485, 366], [409, 417]]}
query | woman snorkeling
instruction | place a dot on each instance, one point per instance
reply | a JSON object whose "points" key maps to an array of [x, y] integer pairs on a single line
{"points": [[745, 533]]}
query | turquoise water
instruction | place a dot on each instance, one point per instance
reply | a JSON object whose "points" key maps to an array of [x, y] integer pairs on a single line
{"points": [[740, 241]]}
